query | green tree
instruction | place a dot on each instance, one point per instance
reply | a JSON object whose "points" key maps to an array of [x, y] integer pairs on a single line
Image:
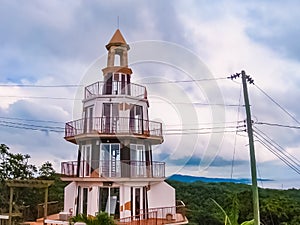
{"points": [[15, 166], [46, 171]]}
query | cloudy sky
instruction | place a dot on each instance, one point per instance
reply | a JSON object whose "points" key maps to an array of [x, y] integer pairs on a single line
{"points": [[48, 46]]}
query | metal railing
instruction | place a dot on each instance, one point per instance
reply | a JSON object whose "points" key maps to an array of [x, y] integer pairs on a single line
{"points": [[113, 125], [155, 216], [145, 219], [114, 168], [115, 88], [169, 213]]}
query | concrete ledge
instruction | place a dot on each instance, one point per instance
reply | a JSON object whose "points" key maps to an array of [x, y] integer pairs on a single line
{"points": [[56, 222], [4, 217]]}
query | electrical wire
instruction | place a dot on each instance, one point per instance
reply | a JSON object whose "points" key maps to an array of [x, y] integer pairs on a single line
{"points": [[208, 123], [204, 128], [210, 132], [201, 104], [235, 137], [30, 125], [77, 99], [277, 125], [280, 154], [77, 85], [31, 128], [30, 120], [40, 97], [185, 81], [42, 86], [276, 145], [276, 103]]}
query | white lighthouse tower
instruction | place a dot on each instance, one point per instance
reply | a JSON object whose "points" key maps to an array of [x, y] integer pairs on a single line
{"points": [[114, 171]]}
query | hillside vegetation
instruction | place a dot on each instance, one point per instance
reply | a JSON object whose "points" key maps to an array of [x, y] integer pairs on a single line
{"points": [[277, 207]]}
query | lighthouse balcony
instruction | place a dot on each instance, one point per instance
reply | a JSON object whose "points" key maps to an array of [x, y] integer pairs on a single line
{"points": [[115, 88], [113, 169], [111, 127]]}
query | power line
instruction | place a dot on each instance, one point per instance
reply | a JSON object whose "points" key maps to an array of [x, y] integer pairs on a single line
{"points": [[277, 125], [42, 86], [77, 99], [209, 132], [31, 125], [168, 125], [204, 128], [208, 123], [200, 103], [30, 120], [40, 97], [78, 85], [276, 145], [31, 128], [235, 137], [277, 153], [185, 131], [276, 103], [185, 81]]}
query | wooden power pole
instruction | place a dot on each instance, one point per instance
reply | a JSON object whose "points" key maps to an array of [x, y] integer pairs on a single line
{"points": [[252, 152]]}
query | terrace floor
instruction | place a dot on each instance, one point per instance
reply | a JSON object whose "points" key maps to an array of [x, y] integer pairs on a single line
{"points": [[54, 220]]}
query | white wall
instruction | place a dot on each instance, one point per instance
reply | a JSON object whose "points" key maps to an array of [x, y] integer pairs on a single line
{"points": [[161, 195], [124, 198], [93, 200], [69, 197]]}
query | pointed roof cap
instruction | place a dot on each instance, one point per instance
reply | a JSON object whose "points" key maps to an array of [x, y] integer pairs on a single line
{"points": [[117, 40]]}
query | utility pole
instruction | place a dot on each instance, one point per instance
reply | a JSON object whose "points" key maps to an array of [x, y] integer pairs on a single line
{"points": [[252, 152]]}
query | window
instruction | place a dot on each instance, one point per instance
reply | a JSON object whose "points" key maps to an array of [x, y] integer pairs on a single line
{"points": [[117, 61]]}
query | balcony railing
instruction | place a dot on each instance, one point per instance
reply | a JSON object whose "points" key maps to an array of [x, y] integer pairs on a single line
{"points": [[113, 125], [115, 88], [155, 216], [114, 169]]}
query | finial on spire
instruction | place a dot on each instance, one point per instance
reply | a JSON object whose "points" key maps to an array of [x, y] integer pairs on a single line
{"points": [[118, 21]]}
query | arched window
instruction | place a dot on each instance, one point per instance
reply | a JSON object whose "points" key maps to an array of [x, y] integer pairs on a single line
{"points": [[117, 61]]}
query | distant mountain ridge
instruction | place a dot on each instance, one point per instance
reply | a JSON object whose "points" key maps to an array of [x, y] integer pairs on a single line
{"points": [[190, 179]]}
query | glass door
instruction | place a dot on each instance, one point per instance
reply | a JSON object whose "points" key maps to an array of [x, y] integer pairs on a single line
{"points": [[86, 162], [137, 160], [136, 119], [110, 160], [88, 119], [109, 199], [110, 117], [83, 200], [137, 202]]}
